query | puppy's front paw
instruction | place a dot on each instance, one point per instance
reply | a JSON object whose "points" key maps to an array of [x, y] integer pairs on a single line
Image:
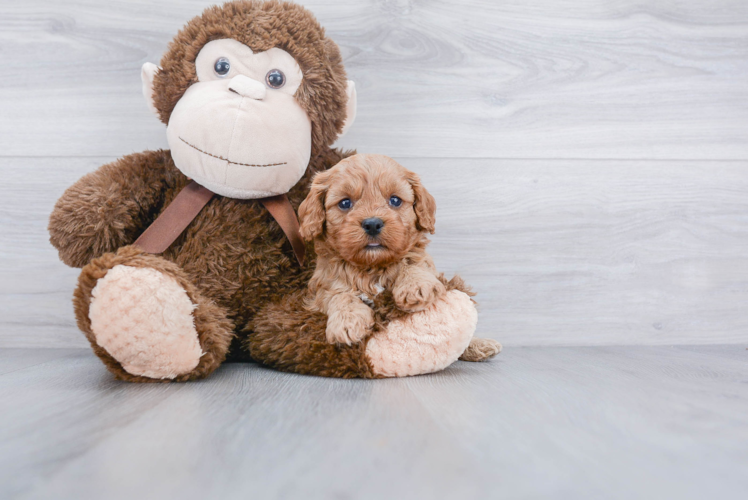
{"points": [[348, 326], [414, 296]]}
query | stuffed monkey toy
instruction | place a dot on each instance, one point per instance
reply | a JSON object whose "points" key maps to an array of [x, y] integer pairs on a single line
{"points": [[180, 249]]}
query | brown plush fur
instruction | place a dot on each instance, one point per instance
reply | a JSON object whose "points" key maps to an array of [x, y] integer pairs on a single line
{"points": [[289, 337], [215, 330], [233, 259], [351, 262]]}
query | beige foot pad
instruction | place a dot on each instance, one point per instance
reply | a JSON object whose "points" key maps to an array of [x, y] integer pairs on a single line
{"points": [[143, 318], [427, 341]]}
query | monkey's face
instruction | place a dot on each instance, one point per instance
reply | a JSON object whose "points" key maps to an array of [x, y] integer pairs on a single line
{"points": [[239, 130], [249, 91]]}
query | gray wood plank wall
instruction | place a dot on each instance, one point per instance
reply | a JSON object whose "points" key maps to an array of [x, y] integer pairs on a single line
{"points": [[589, 158]]}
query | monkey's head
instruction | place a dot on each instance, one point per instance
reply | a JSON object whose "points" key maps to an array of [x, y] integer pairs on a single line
{"points": [[249, 91]]}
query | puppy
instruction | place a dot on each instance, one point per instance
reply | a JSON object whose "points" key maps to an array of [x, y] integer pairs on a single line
{"points": [[369, 217]]}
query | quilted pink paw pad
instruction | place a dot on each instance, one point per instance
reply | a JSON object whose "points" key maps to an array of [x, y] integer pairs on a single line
{"points": [[143, 318], [427, 341]]}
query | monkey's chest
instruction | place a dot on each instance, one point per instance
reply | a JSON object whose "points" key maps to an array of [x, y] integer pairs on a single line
{"points": [[234, 247]]}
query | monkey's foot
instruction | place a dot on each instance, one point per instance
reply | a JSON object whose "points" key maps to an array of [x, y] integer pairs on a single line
{"points": [[426, 341], [144, 319], [481, 350]]}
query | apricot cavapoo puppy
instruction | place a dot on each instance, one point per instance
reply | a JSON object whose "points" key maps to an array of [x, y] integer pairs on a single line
{"points": [[375, 215]]}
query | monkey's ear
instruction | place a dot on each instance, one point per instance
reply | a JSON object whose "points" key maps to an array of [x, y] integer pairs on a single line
{"points": [[350, 115], [147, 74], [312, 209], [424, 205]]}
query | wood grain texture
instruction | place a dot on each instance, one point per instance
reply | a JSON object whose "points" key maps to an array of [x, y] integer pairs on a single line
{"points": [[518, 115], [566, 423], [473, 78], [567, 252], [560, 252]]}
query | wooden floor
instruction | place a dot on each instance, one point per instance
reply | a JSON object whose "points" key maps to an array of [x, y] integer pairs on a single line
{"points": [[554, 422]]}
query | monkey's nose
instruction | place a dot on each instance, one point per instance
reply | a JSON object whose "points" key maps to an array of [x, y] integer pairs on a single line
{"points": [[247, 87], [373, 225]]}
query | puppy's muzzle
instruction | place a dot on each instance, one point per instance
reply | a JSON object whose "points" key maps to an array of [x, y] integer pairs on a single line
{"points": [[372, 226]]}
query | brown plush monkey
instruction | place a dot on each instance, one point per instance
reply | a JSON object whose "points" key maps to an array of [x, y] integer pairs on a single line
{"points": [[253, 94], [242, 87]]}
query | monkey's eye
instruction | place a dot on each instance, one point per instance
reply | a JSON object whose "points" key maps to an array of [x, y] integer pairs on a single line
{"points": [[275, 78], [345, 204], [395, 201], [222, 67]]}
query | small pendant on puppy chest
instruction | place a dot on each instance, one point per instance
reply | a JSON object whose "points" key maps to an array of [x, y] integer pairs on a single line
{"points": [[369, 301], [366, 300]]}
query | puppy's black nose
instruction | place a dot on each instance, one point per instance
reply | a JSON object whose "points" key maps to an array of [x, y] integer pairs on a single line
{"points": [[373, 225]]}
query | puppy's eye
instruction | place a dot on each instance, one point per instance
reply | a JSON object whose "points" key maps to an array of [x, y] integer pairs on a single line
{"points": [[275, 78], [345, 204], [395, 201], [222, 67]]}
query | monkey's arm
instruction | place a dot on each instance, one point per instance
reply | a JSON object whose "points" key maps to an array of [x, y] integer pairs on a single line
{"points": [[110, 207]]}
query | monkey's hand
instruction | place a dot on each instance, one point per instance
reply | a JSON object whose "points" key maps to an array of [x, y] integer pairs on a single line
{"points": [[349, 320], [110, 207], [416, 288]]}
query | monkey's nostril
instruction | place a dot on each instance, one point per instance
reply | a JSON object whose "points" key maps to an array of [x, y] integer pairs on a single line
{"points": [[373, 225]]}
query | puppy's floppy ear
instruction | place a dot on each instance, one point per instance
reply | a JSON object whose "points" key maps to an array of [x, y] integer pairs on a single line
{"points": [[312, 209], [424, 205]]}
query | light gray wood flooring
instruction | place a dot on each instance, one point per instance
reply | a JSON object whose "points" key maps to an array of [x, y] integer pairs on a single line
{"points": [[536, 422]]}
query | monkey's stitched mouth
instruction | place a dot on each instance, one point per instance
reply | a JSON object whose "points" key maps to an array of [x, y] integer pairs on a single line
{"points": [[229, 161]]}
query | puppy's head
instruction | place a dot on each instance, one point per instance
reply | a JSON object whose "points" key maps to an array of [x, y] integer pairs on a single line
{"points": [[368, 209]]}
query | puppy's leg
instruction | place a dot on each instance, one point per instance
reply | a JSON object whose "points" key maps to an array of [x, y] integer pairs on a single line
{"points": [[416, 288], [481, 350], [349, 320]]}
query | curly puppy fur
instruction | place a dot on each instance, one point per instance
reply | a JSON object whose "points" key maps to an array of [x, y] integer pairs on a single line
{"points": [[351, 261], [233, 259]]}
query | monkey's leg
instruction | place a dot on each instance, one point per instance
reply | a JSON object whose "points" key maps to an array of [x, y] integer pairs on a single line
{"points": [[288, 337], [147, 321]]}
